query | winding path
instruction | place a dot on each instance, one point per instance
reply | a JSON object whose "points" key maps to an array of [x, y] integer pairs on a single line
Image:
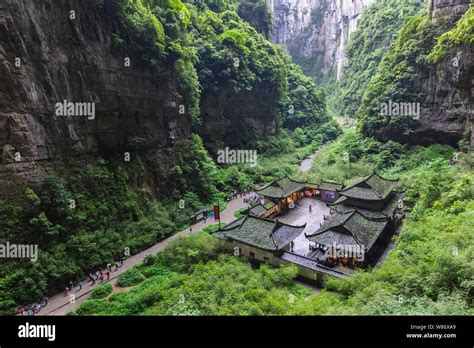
{"points": [[60, 304], [307, 163]]}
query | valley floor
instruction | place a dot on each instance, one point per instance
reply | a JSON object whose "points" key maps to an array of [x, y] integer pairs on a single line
{"points": [[61, 305]]}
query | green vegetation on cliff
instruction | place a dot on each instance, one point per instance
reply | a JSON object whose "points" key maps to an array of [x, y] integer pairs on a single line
{"points": [[84, 218], [398, 79], [367, 46], [429, 272], [212, 51], [461, 34], [392, 66]]}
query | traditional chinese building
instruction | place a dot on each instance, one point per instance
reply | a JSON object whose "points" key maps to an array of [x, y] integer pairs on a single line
{"points": [[362, 222], [284, 192], [350, 239], [372, 192], [258, 238]]}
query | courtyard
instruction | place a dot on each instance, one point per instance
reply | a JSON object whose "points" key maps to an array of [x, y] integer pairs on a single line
{"points": [[301, 215]]}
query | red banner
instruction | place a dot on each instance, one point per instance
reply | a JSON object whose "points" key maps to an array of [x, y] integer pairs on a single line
{"points": [[216, 213]]}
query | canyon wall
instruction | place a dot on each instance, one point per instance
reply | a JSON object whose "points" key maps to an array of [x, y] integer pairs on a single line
{"points": [[315, 32], [45, 58], [447, 113], [53, 51]]}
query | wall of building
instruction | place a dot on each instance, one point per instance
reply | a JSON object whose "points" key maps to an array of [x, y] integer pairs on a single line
{"points": [[260, 254], [273, 259]]}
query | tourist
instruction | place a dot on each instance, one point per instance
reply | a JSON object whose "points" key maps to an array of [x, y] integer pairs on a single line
{"points": [[108, 274], [117, 265], [71, 285], [101, 276], [81, 283], [97, 274], [45, 301], [109, 267], [310, 209], [66, 291], [92, 279]]}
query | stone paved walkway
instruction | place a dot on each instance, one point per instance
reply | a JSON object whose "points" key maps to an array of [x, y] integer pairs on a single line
{"points": [[60, 304], [300, 216]]}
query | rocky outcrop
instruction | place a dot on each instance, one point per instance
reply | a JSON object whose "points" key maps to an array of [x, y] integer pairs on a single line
{"points": [[49, 54], [315, 32], [447, 113], [450, 10], [61, 51], [228, 118]]}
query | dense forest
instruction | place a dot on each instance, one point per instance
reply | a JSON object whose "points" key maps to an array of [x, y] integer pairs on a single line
{"points": [[238, 89]]}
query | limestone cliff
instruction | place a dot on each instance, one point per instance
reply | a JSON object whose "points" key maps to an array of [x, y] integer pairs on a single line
{"points": [[46, 57], [447, 113], [315, 32], [53, 51]]}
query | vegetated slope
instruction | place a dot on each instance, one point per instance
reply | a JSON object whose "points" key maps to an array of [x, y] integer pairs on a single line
{"points": [[435, 76], [247, 83], [87, 189], [190, 69], [375, 33], [429, 272]]}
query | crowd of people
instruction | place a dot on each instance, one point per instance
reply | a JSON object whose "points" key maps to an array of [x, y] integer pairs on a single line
{"points": [[236, 194], [252, 198], [99, 276], [34, 308], [247, 195]]}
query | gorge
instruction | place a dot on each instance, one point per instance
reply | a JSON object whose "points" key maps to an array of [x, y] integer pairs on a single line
{"points": [[316, 33], [163, 91]]}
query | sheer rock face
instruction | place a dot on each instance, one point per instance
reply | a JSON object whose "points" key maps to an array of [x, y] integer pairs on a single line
{"points": [[228, 118], [448, 9], [317, 30], [45, 58], [447, 113]]}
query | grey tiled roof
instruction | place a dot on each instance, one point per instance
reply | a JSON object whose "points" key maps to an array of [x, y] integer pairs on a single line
{"points": [[383, 213], [311, 264], [258, 209], [281, 188], [372, 187], [262, 233], [330, 186], [349, 228]]}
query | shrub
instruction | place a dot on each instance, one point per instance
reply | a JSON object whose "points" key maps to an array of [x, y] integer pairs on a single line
{"points": [[101, 291], [95, 307], [130, 277]]}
